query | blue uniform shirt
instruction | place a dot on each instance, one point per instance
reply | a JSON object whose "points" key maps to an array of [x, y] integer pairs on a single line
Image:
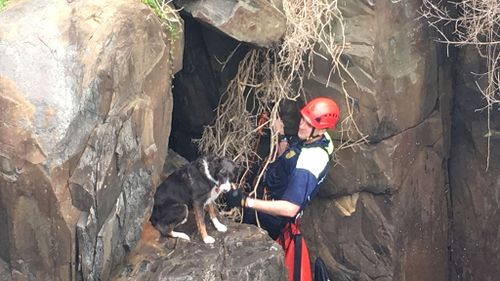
{"points": [[294, 177]]}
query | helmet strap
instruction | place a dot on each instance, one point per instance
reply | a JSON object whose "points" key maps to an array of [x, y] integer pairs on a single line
{"points": [[311, 136]]}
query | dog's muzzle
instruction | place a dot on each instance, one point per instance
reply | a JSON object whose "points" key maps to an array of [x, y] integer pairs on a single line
{"points": [[225, 187]]}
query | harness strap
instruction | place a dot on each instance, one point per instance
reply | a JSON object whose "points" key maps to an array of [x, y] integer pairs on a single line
{"points": [[330, 156], [297, 258]]}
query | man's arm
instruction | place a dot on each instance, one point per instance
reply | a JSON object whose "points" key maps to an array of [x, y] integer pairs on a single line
{"points": [[273, 207]]}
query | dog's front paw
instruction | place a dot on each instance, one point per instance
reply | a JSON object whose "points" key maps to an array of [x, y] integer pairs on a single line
{"points": [[208, 239], [180, 235], [219, 226]]}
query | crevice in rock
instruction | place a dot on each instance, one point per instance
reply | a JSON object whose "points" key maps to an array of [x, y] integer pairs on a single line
{"points": [[361, 43], [374, 141]]}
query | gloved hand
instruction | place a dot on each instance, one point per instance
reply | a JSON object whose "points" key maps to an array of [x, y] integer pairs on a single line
{"points": [[236, 198]]}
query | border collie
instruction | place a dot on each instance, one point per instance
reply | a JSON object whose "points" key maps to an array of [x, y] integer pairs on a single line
{"points": [[193, 187]]}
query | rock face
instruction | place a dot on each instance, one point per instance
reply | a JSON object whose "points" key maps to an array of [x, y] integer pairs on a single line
{"points": [[85, 119], [382, 213], [400, 234], [474, 190], [257, 22]]}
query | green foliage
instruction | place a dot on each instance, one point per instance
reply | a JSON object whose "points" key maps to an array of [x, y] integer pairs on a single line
{"points": [[173, 30], [167, 15], [155, 6], [3, 4]]}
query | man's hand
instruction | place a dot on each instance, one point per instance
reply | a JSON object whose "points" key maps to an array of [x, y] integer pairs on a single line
{"points": [[278, 126], [282, 146], [236, 198]]}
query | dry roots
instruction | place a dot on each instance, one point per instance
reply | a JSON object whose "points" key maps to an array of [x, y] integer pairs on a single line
{"points": [[267, 77]]}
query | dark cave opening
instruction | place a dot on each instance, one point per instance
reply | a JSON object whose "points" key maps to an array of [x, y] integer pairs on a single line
{"points": [[210, 61]]}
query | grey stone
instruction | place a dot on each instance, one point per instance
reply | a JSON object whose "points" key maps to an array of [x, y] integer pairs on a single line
{"points": [[258, 22], [244, 252]]}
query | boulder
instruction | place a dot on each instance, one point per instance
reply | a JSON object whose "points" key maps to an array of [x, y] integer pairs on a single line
{"points": [[257, 22], [86, 110], [244, 252]]}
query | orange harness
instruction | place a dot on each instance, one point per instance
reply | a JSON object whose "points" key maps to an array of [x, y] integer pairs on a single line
{"points": [[296, 253]]}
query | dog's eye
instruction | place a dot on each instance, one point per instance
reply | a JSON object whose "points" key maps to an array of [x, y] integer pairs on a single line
{"points": [[226, 175]]}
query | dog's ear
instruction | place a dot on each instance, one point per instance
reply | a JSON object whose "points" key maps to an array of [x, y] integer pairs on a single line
{"points": [[239, 171], [236, 170], [211, 158]]}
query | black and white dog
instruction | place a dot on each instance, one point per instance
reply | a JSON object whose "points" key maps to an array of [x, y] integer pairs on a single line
{"points": [[194, 186]]}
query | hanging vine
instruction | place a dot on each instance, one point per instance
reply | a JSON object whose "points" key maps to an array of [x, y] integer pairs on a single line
{"points": [[267, 77]]}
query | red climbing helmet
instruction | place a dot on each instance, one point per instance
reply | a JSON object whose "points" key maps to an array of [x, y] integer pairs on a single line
{"points": [[321, 113]]}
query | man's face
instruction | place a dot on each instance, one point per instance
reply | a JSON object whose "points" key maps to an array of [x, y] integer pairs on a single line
{"points": [[305, 129]]}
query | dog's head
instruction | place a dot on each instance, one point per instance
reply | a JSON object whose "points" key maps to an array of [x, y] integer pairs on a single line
{"points": [[222, 170]]}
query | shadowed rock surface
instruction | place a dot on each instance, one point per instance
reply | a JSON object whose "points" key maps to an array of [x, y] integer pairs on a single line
{"points": [[475, 191]]}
